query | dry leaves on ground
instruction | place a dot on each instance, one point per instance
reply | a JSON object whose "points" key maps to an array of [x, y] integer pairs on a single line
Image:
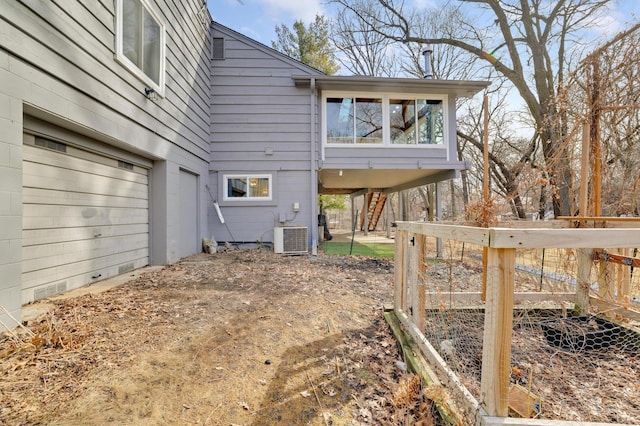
{"points": [[243, 337]]}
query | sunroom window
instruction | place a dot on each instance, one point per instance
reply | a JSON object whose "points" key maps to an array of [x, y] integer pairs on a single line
{"points": [[140, 42], [354, 120], [248, 187], [388, 120], [416, 121]]}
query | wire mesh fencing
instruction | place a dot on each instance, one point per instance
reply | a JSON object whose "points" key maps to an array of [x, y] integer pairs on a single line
{"points": [[563, 366]]}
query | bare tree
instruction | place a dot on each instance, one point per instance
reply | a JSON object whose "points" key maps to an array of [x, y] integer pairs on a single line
{"points": [[513, 162], [362, 51], [603, 91], [525, 41]]}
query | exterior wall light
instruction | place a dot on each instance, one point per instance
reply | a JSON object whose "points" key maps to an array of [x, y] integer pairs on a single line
{"points": [[151, 94]]}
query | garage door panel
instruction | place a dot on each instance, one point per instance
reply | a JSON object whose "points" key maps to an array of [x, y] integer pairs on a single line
{"points": [[49, 255], [33, 237], [40, 157], [35, 176], [38, 217], [85, 218], [47, 196], [86, 269]]}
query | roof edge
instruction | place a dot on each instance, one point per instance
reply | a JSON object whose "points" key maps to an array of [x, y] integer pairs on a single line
{"points": [[458, 88], [266, 49]]}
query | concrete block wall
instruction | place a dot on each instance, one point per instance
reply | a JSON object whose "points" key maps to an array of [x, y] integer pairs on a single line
{"points": [[10, 193]]}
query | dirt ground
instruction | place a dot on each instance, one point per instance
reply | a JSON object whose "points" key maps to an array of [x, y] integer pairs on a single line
{"points": [[238, 338]]}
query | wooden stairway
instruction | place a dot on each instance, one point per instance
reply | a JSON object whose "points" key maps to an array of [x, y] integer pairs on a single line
{"points": [[373, 207]]}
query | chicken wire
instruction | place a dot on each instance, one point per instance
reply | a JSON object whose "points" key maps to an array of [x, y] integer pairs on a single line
{"points": [[569, 368]]}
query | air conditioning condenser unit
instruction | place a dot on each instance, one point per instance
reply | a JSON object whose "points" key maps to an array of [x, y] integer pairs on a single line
{"points": [[290, 240]]}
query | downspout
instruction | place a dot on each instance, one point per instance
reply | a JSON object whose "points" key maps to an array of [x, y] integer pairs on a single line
{"points": [[314, 171]]}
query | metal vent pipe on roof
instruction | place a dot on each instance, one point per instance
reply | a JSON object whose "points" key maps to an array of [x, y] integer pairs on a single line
{"points": [[427, 50]]}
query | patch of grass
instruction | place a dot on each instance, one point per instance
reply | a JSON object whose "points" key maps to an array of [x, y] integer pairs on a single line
{"points": [[384, 250]]}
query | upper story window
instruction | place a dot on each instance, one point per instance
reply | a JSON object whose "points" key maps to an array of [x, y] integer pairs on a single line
{"points": [[140, 42], [416, 121], [248, 187], [388, 120], [354, 120]]}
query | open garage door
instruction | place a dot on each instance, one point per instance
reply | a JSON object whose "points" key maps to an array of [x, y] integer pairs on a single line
{"points": [[85, 217]]}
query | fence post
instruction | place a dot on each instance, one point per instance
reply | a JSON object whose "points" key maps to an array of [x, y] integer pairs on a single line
{"points": [[411, 277], [416, 269], [625, 287], [399, 296], [419, 310], [583, 278], [498, 326]]}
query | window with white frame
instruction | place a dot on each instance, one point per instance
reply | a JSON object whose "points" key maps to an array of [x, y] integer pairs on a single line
{"points": [[354, 120], [416, 121], [388, 120], [247, 187], [140, 42]]}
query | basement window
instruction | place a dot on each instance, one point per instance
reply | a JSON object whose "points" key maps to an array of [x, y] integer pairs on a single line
{"points": [[248, 187], [140, 42]]}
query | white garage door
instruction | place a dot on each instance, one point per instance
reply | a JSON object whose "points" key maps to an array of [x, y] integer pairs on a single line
{"points": [[85, 217]]}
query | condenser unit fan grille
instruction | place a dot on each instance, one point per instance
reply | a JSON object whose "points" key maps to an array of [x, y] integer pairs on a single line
{"points": [[290, 240]]}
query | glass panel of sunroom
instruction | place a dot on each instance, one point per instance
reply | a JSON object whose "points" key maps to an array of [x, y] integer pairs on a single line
{"points": [[368, 120], [402, 119], [339, 120], [431, 121]]}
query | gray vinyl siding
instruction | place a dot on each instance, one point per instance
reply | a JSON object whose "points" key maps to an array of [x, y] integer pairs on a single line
{"points": [[385, 158], [260, 123], [57, 63], [253, 223], [76, 51]]}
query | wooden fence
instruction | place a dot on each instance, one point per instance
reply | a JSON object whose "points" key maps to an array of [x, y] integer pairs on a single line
{"points": [[500, 246]]}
